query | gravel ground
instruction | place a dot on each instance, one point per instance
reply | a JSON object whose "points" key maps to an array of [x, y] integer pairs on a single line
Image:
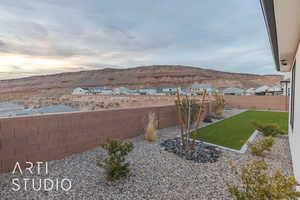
{"points": [[156, 174]]}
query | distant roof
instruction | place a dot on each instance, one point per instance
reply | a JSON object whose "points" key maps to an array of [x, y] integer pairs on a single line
{"points": [[251, 90], [85, 88], [170, 86], [262, 88], [148, 88], [287, 80], [122, 88], [274, 88], [233, 90], [204, 85]]}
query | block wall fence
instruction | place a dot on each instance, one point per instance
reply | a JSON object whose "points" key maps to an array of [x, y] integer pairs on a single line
{"points": [[280, 103], [55, 136]]}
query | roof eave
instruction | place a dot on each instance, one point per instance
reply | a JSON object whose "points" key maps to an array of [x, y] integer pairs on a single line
{"points": [[270, 20]]}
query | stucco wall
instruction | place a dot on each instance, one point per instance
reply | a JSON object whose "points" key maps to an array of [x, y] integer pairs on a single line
{"points": [[294, 134], [55, 136], [258, 102]]}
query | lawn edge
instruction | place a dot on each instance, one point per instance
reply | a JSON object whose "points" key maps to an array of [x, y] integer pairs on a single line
{"points": [[242, 150]]}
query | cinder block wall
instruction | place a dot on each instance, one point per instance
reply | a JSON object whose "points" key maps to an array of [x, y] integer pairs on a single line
{"points": [[257, 102], [55, 136]]}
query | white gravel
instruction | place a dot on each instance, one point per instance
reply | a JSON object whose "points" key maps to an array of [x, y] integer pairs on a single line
{"points": [[156, 174]]}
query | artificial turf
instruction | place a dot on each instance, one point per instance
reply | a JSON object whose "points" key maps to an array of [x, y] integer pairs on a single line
{"points": [[233, 132]]}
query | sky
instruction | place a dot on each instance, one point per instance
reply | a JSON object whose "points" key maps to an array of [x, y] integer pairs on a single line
{"points": [[54, 36]]}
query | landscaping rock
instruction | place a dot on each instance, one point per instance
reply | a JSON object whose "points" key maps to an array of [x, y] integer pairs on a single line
{"points": [[203, 153]]}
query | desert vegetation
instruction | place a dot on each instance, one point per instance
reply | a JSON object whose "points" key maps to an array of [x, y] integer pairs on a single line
{"points": [[258, 184], [218, 105], [151, 132], [269, 129], [115, 165], [258, 147], [189, 114]]}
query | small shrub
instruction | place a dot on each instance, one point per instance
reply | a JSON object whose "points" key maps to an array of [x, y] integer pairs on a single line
{"points": [[114, 165], [151, 133], [270, 129], [259, 185], [257, 148]]}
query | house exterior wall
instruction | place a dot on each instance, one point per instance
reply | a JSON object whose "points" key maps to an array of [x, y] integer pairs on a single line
{"points": [[147, 91], [294, 132], [79, 91], [198, 90], [171, 90]]}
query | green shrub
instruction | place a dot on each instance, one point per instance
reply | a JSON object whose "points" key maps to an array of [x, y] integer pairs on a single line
{"points": [[114, 165], [270, 129], [259, 185], [257, 148]]}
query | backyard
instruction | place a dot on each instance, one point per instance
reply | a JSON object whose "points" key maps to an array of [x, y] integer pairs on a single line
{"points": [[158, 174], [234, 131]]}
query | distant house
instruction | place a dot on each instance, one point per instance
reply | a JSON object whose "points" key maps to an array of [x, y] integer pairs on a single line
{"points": [[234, 91], [81, 91], [106, 91], [97, 89], [274, 90], [147, 90], [262, 90], [132, 92], [286, 85], [123, 90], [197, 88], [185, 91], [169, 89], [119, 90], [250, 91]]}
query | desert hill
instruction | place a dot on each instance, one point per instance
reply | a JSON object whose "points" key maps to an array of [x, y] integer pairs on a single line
{"points": [[138, 77]]}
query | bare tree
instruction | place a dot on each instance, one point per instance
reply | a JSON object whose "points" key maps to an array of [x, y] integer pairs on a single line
{"points": [[189, 114]]}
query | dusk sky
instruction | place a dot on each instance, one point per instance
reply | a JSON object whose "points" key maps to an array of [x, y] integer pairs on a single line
{"points": [[53, 36]]}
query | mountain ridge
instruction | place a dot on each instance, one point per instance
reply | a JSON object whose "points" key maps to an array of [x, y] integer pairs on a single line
{"points": [[154, 75]]}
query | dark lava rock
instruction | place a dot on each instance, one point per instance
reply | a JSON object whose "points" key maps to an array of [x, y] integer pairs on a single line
{"points": [[203, 153]]}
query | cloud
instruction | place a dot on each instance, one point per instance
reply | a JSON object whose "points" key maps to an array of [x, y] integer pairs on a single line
{"points": [[91, 34]]}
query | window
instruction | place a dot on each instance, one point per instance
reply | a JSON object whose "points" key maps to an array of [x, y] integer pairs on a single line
{"points": [[293, 96]]}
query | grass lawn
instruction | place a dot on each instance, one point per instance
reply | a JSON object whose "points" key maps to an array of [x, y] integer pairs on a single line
{"points": [[233, 132]]}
